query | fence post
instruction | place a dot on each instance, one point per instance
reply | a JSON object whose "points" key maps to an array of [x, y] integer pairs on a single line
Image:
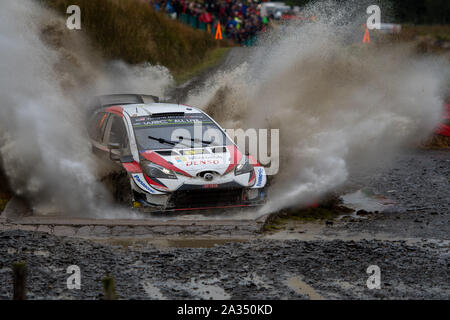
{"points": [[109, 291], [20, 280]]}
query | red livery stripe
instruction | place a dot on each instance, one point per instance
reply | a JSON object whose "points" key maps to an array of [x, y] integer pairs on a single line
{"points": [[236, 157], [252, 178], [132, 167], [253, 161], [157, 159], [116, 110], [154, 183]]}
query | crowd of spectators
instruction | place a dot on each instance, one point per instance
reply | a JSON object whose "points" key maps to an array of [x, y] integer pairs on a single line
{"points": [[240, 19]]}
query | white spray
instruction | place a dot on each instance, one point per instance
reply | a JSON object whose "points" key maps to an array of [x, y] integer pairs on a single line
{"points": [[43, 144], [339, 106]]}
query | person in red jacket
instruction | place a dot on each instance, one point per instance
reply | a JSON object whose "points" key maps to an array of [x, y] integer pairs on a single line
{"points": [[206, 17]]}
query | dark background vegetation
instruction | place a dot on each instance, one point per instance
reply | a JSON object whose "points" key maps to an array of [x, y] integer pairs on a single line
{"points": [[407, 11]]}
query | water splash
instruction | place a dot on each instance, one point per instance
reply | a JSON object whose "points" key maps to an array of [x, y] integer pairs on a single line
{"points": [[340, 106]]}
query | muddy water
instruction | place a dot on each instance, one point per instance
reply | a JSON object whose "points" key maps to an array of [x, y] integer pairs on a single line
{"points": [[301, 287], [168, 243], [366, 199]]}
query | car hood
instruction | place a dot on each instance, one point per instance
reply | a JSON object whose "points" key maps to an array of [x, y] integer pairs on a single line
{"points": [[191, 162]]}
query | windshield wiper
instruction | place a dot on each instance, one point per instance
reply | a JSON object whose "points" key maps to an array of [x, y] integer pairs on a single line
{"points": [[196, 140], [162, 140]]}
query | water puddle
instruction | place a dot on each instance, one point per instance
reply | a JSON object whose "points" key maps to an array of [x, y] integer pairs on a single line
{"points": [[42, 253], [366, 199], [152, 292], [206, 289], [301, 287], [167, 243]]}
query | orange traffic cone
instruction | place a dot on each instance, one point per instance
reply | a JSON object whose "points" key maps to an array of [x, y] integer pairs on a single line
{"points": [[218, 32], [366, 38]]}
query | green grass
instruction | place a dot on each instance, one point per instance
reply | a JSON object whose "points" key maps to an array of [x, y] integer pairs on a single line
{"points": [[4, 198], [212, 59], [133, 32], [328, 210], [275, 224], [301, 215]]}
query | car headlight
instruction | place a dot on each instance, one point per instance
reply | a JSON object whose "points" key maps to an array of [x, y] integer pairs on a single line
{"points": [[243, 167], [156, 171]]}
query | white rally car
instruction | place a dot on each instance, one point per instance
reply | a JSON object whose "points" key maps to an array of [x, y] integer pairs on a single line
{"points": [[175, 156]]}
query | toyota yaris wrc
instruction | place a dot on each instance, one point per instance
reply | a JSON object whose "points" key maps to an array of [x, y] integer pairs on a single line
{"points": [[172, 157]]}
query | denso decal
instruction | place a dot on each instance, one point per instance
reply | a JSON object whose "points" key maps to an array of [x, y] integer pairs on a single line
{"points": [[142, 183], [201, 162]]}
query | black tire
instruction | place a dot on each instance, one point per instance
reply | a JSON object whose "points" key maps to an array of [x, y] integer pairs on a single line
{"points": [[118, 184]]}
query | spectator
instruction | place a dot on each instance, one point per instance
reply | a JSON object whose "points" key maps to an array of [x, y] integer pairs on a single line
{"points": [[206, 17], [240, 19]]}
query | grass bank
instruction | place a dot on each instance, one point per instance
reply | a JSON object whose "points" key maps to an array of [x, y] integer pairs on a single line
{"points": [[212, 59], [133, 32]]}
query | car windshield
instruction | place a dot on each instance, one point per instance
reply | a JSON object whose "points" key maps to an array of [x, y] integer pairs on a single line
{"points": [[178, 131]]}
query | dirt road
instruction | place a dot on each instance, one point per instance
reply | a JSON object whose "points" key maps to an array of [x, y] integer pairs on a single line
{"points": [[407, 237], [409, 242]]}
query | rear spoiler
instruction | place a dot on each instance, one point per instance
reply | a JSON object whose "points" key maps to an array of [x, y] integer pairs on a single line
{"points": [[121, 99]]}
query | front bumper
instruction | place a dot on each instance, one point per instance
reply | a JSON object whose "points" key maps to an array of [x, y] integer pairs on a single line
{"points": [[199, 199]]}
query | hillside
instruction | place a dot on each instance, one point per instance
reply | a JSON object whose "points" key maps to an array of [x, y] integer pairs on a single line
{"points": [[133, 32]]}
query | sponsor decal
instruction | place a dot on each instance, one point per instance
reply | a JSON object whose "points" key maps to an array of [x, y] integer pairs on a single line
{"points": [[180, 159], [138, 179], [170, 120], [260, 177], [193, 151], [210, 186], [200, 159], [202, 162]]}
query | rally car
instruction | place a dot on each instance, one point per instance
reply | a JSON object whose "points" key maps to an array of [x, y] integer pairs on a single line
{"points": [[173, 156]]}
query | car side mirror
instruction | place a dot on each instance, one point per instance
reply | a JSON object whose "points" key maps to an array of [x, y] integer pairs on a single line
{"points": [[126, 159], [113, 146]]}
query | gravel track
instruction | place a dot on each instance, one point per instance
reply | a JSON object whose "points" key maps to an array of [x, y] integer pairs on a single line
{"points": [[249, 270], [418, 181]]}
